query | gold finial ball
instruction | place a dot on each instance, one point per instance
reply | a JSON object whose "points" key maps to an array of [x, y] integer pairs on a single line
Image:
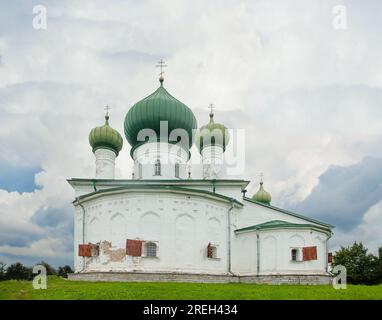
{"points": [[161, 79]]}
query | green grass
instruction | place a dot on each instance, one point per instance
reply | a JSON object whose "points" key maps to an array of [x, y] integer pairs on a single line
{"points": [[58, 288]]}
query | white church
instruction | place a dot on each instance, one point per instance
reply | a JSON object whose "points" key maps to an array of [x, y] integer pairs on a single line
{"points": [[163, 225]]}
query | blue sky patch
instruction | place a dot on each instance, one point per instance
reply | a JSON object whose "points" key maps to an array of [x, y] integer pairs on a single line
{"points": [[20, 179]]}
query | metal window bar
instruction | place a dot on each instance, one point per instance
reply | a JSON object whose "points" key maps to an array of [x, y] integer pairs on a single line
{"points": [[151, 249]]}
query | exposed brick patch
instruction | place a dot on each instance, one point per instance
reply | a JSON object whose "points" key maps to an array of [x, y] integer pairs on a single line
{"points": [[116, 255]]}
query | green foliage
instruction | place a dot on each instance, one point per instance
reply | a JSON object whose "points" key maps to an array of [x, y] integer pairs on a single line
{"points": [[58, 288], [63, 271], [361, 266], [18, 271], [50, 271], [2, 271], [380, 253]]}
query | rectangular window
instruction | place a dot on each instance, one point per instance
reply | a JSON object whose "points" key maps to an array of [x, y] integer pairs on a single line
{"points": [[212, 251], [140, 170], [294, 253], [176, 170], [151, 249], [158, 168]]}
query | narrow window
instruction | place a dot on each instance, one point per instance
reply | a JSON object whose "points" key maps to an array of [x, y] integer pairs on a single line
{"points": [[140, 170], [157, 171], [150, 249], [294, 254], [177, 170], [212, 251]]}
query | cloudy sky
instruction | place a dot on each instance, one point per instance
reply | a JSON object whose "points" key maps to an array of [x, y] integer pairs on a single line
{"points": [[305, 85]]}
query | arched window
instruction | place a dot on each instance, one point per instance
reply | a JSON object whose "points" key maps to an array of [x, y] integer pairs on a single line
{"points": [[150, 249], [177, 170], [157, 171]]}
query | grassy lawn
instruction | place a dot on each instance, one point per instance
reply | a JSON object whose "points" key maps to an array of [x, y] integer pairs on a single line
{"points": [[58, 288]]}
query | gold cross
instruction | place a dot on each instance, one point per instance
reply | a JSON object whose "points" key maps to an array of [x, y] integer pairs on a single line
{"points": [[161, 64]]}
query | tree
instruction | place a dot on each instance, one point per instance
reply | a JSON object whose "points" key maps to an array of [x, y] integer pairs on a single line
{"points": [[361, 267], [50, 271], [63, 271], [380, 265], [2, 270], [18, 271]]}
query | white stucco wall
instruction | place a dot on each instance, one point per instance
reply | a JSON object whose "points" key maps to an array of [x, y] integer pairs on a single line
{"points": [[181, 225], [212, 159], [275, 252], [105, 163], [275, 245]]}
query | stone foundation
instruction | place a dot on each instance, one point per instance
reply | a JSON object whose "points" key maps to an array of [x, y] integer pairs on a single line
{"points": [[201, 278]]}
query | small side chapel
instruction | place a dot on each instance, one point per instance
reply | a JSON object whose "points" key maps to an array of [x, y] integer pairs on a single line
{"points": [[163, 225]]}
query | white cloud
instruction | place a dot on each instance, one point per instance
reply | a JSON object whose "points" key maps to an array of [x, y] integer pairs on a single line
{"points": [[47, 247]]}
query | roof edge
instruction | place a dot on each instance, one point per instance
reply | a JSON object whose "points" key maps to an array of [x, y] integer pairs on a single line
{"points": [[155, 188], [285, 225], [294, 214]]}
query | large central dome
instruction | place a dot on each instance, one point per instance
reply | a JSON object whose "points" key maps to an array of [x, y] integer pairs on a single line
{"points": [[149, 112]]}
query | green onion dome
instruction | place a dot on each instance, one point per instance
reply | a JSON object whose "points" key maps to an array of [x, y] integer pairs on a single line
{"points": [[105, 137], [262, 196], [213, 133], [149, 112]]}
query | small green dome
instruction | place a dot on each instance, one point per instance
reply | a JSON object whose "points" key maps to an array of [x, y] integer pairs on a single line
{"points": [[105, 137], [212, 133], [149, 112], [262, 196]]}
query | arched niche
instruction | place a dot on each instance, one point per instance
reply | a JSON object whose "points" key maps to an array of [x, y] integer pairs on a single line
{"points": [[150, 226], [118, 230], [269, 253], [296, 240], [185, 240], [94, 230], [214, 231]]}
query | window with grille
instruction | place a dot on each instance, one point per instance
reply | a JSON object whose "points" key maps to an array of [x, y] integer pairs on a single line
{"points": [[150, 249], [157, 171], [177, 170]]}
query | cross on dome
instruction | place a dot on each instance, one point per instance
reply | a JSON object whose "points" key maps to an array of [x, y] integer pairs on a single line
{"points": [[107, 108], [211, 107], [161, 64]]}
